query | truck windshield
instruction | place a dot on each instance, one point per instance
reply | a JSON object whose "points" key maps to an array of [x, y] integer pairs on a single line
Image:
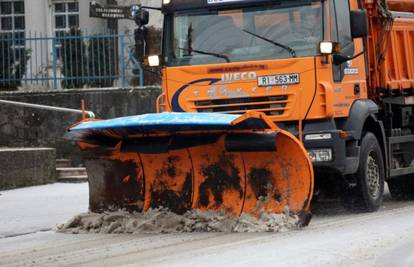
{"points": [[254, 33]]}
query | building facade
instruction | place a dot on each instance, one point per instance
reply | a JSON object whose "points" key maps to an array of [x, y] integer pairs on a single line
{"points": [[32, 25], [47, 17]]}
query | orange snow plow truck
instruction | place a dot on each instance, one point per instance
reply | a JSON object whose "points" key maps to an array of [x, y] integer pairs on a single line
{"points": [[259, 98]]}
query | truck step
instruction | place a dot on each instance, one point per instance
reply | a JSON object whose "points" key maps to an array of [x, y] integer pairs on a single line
{"points": [[63, 163], [73, 179], [72, 175]]}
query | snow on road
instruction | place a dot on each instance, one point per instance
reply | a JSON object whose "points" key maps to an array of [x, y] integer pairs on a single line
{"points": [[40, 208], [358, 241], [334, 238]]}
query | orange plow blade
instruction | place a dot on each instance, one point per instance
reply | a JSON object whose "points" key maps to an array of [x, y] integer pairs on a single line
{"points": [[229, 163]]}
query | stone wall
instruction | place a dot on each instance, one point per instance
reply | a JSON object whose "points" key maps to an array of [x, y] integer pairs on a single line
{"points": [[27, 127], [20, 167]]}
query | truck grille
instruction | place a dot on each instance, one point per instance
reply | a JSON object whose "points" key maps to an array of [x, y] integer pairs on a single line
{"points": [[270, 105]]}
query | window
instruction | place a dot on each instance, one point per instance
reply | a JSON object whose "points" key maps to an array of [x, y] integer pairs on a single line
{"points": [[343, 26], [12, 20], [66, 17], [277, 31], [341, 32]]}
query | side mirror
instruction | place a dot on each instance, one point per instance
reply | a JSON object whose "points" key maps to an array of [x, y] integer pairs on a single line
{"points": [[141, 48], [339, 59], [359, 23], [141, 17]]}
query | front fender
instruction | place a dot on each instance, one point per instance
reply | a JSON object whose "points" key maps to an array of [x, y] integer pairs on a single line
{"points": [[360, 111]]}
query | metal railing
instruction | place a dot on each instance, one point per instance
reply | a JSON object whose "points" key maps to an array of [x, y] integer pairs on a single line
{"points": [[72, 59], [87, 113]]}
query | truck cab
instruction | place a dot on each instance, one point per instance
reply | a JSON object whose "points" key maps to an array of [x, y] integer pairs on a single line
{"points": [[269, 56]]}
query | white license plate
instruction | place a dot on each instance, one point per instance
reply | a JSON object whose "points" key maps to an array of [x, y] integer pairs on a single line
{"points": [[282, 79]]}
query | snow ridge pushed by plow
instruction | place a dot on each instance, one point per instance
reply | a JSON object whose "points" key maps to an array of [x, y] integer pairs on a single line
{"points": [[163, 221]]}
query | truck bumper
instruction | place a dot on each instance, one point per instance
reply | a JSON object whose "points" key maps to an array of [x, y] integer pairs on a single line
{"points": [[345, 152]]}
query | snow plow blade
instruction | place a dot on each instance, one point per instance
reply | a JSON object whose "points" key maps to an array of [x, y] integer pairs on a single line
{"points": [[183, 161]]}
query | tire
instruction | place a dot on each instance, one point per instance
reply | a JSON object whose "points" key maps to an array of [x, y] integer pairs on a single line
{"points": [[368, 194], [402, 188]]}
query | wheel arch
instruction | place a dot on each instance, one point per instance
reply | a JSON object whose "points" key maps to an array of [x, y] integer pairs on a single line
{"points": [[363, 118]]}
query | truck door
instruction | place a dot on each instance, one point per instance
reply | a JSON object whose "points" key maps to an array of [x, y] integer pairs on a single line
{"points": [[349, 77]]}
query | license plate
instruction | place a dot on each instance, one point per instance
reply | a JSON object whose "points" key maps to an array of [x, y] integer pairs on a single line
{"points": [[282, 79]]}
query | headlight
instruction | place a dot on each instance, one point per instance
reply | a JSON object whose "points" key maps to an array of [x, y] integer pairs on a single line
{"points": [[326, 48], [154, 61], [320, 155], [321, 136]]}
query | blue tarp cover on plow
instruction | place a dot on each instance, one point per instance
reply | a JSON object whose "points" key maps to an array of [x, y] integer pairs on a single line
{"points": [[171, 122]]}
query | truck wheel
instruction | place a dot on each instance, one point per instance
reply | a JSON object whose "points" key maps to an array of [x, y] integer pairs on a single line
{"points": [[368, 194], [402, 188]]}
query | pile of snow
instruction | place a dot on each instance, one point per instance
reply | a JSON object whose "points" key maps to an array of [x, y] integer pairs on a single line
{"points": [[163, 221]]}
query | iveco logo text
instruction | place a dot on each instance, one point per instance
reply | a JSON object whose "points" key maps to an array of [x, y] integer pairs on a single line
{"points": [[241, 76]]}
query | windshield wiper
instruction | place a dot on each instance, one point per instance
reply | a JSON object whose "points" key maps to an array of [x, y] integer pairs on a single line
{"points": [[291, 50], [190, 50]]}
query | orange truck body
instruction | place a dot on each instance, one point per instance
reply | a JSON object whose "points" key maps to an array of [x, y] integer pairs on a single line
{"points": [[399, 5], [395, 71]]}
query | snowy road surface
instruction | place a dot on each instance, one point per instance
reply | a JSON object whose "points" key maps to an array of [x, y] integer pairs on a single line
{"points": [[40, 208], [334, 238]]}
